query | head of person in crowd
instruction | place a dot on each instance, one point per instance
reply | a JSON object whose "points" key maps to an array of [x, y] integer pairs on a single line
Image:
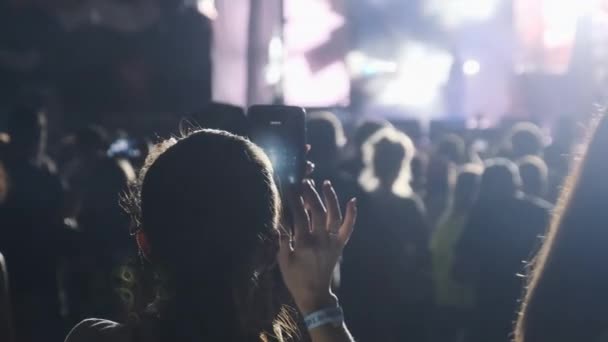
{"points": [[467, 187], [387, 156], [419, 168], [500, 181], [525, 138], [452, 148], [534, 176], [566, 296], [217, 267], [326, 135], [27, 129], [354, 163]]}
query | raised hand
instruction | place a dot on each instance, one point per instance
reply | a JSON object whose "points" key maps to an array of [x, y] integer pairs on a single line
{"points": [[320, 234]]}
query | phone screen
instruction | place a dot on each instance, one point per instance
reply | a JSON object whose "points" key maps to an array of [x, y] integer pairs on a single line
{"points": [[281, 132]]}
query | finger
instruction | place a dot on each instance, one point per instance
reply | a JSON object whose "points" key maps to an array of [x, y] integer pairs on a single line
{"points": [[334, 214], [307, 148], [301, 221], [348, 225], [314, 204]]}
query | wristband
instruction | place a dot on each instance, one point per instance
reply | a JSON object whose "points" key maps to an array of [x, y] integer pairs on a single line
{"points": [[333, 316]]}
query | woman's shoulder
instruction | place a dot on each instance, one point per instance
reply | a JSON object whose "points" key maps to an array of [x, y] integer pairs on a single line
{"points": [[99, 330]]}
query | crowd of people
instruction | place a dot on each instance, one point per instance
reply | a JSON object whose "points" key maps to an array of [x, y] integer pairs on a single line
{"points": [[178, 241], [100, 60], [110, 235]]}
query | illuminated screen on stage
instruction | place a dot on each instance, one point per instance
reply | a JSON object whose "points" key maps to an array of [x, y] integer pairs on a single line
{"points": [[547, 31], [315, 72]]}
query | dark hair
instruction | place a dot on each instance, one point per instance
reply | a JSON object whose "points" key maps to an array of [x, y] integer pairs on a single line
{"points": [[452, 147], [525, 138], [209, 208], [500, 180], [534, 175], [467, 186], [566, 298], [440, 176], [387, 155]]}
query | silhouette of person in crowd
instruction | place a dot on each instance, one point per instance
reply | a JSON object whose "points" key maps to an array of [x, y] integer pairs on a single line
{"points": [[502, 231], [566, 294], [208, 212], [327, 139], [96, 183], [353, 165], [388, 259], [454, 300], [525, 139], [440, 178], [534, 176], [31, 221], [451, 147]]}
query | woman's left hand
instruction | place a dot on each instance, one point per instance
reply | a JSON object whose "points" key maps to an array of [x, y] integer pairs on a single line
{"points": [[320, 234]]}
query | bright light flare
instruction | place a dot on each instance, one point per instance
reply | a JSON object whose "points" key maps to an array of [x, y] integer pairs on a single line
{"points": [[423, 70], [274, 70], [471, 67], [547, 31], [207, 8], [314, 54], [560, 18], [361, 65]]}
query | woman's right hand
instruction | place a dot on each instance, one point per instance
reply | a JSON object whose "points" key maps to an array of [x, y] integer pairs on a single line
{"points": [[307, 261]]}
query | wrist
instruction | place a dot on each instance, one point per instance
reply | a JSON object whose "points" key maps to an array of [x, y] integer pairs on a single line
{"points": [[312, 303]]}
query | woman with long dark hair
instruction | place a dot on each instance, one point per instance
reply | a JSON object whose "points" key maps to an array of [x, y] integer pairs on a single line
{"points": [[502, 232], [567, 296], [208, 214]]}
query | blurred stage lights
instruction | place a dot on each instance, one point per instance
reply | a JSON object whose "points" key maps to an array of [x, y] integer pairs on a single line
{"points": [[471, 67], [207, 8], [361, 65], [454, 13], [422, 72], [276, 52], [561, 17]]}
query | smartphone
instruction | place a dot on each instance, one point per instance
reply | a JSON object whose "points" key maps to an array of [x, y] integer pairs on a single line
{"points": [[281, 132]]}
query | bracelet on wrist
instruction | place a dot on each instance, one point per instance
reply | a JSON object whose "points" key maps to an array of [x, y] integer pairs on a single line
{"points": [[333, 316]]}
